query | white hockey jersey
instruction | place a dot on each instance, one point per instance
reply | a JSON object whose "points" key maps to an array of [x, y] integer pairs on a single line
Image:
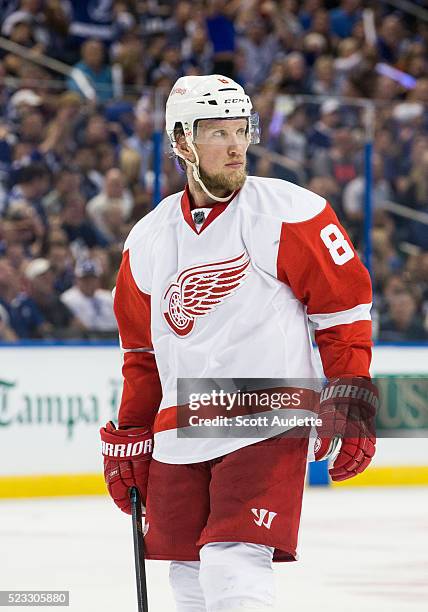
{"points": [[231, 298]]}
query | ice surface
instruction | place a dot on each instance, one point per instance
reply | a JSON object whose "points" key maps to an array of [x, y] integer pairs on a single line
{"points": [[360, 550]]}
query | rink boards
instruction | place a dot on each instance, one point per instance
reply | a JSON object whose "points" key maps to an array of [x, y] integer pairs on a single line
{"points": [[53, 400]]}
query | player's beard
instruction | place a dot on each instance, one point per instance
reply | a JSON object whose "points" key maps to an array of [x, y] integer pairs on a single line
{"points": [[221, 182]]}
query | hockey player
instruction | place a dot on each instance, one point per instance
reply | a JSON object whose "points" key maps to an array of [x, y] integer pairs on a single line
{"points": [[220, 281]]}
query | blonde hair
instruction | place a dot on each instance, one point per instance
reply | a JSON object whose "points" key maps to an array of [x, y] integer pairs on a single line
{"points": [[130, 164]]}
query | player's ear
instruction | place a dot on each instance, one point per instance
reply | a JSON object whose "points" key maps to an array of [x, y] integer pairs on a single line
{"points": [[184, 148]]}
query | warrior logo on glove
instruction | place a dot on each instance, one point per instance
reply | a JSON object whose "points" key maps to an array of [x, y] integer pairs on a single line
{"points": [[126, 450], [347, 410], [127, 455]]}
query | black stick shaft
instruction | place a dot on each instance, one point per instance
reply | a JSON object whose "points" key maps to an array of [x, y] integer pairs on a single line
{"points": [[140, 567]]}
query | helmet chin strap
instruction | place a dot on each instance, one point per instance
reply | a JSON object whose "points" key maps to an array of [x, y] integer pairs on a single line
{"points": [[197, 177]]}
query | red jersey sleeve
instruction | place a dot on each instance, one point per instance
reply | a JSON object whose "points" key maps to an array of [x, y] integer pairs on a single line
{"points": [[142, 392], [319, 263]]}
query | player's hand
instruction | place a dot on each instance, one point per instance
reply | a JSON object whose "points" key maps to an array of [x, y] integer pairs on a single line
{"points": [[127, 454], [348, 410]]}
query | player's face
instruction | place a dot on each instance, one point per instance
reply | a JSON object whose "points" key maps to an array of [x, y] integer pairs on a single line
{"points": [[222, 148]]}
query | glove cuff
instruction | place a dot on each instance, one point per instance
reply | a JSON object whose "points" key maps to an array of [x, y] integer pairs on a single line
{"points": [[126, 444]]}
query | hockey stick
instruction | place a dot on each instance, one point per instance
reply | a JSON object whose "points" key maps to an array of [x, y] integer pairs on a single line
{"points": [[138, 534]]}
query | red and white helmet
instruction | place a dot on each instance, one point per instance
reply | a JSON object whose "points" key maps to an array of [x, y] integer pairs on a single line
{"points": [[208, 97]]}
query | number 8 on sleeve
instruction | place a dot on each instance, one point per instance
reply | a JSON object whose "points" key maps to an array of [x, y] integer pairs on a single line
{"points": [[339, 242]]}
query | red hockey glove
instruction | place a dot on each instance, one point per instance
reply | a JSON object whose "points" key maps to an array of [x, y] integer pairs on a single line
{"points": [[127, 454], [347, 410]]}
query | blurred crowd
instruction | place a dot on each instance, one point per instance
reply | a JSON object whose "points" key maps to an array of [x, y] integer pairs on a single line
{"points": [[77, 163]]}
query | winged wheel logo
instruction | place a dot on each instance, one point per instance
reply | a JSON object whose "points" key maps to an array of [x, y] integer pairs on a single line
{"points": [[199, 290]]}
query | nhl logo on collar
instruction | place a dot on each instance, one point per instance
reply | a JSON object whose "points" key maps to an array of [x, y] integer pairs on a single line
{"points": [[199, 217], [199, 290]]}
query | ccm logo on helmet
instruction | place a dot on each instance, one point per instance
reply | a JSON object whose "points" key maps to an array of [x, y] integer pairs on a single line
{"points": [[132, 449], [234, 100]]}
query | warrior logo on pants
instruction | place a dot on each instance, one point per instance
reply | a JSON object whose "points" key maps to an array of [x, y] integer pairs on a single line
{"points": [[263, 517], [200, 289]]}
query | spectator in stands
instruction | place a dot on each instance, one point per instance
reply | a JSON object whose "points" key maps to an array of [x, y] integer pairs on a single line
{"points": [[179, 23], [127, 53], [386, 89], [153, 56], [96, 131], [66, 181], [321, 25], [123, 19], [349, 57], [94, 66], [60, 140], [16, 255], [31, 125], [107, 158], [416, 274], [420, 92], [416, 192], [91, 21], [387, 261], [393, 285], [314, 47], [197, 53], [32, 183], [86, 161], [354, 192], [18, 28], [390, 39], [325, 81], [78, 228], [415, 61], [296, 79], [388, 149], [402, 321], [49, 24], [341, 161], [222, 34], [320, 136], [344, 18], [61, 261], [259, 48], [293, 139], [326, 187], [34, 77], [114, 227], [409, 153], [24, 317], [130, 163], [113, 196], [307, 11], [385, 244], [22, 226], [92, 306], [7, 333], [10, 26], [142, 142], [40, 289], [421, 282], [169, 68]]}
